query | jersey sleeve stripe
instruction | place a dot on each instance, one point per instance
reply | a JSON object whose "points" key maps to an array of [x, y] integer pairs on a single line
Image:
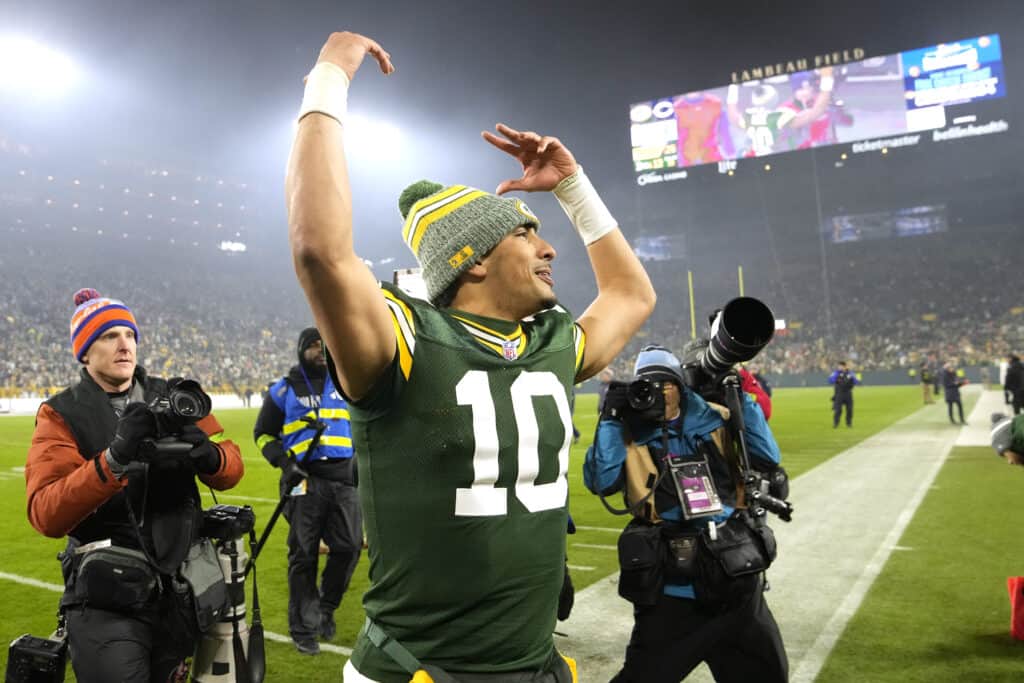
{"points": [[579, 340], [404, 352], [401, 310]]}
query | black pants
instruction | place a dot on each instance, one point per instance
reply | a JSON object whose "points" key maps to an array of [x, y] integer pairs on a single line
{"points": [[740, 644], [330, 511], [959, 407], [1018, 402], [149, 647], [837, 409]]}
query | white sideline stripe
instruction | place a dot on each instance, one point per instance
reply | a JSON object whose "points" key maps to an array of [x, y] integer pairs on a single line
{"points": [[269, 635], [273, 501], [581, 568], [26, 581], [599, 528], [324, 647], [810, 665], [595, 545], [978, 430]]}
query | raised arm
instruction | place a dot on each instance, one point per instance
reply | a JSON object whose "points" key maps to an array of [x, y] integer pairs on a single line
{"points": [[625, 296], [342, 292], [820, 103]]}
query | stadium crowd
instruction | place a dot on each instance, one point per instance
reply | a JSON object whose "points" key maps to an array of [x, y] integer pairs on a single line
{"points": [[228, 321]]}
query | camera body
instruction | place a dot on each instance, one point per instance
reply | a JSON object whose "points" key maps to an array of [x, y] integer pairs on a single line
{"points": [[227, 522], [639, 402], [185, 403], [37, 660]]}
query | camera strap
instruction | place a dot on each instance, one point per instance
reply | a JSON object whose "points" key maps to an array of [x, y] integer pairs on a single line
{"points": [[637, 509]]}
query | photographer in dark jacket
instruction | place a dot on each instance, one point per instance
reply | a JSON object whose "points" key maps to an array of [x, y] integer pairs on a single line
{"points": [[951, 383], [1013, 384], [87, 478], [684, 614], [303, 428]]}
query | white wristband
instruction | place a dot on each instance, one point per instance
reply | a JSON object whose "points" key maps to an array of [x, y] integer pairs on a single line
{"points": [[326, 92], [827, 83], [732, 94], [584, 207]]}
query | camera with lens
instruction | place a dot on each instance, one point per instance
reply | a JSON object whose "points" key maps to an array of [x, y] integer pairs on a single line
{"points": [[185, 403], [639, 402], [738, 333]]}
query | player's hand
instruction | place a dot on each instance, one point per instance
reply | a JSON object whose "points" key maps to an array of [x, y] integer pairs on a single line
{"points": [[347, 50], [545, 160], [825, 71]]}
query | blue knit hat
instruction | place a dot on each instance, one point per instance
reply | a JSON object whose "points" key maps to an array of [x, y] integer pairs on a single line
{"points": [[657, 362]]}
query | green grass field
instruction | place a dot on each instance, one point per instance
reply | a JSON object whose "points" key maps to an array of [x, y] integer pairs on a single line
{"points": [[938, 612]]}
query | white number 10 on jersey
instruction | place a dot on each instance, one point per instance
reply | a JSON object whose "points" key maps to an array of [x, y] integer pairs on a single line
{"points": [[483, 498]]}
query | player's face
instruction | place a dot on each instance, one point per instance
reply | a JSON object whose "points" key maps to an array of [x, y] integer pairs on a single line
{"points": [[520, 270], [110, 359]]}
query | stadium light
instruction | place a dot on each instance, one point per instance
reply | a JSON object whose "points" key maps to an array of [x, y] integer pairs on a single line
{"points": [[371, 140], [29, 66]]}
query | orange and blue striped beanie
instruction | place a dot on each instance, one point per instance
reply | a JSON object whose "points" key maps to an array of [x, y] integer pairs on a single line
{"points": [[94, 314]]}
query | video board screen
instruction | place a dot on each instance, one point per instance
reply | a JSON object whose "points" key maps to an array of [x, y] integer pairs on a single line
{"points": [[928, 89], [907, 222]]}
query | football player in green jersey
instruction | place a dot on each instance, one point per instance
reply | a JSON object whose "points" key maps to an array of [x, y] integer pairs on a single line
{"points": [[459, 406], [764, 119]]}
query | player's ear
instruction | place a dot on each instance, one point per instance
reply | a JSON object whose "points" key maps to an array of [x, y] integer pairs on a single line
{"points": [[478, 270]]}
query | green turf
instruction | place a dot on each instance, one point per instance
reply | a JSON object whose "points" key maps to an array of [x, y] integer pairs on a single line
{"points": [[940, 609], [802, 423]]}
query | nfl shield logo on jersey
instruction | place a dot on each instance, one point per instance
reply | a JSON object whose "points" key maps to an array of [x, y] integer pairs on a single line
{"points": [[510, 349]]}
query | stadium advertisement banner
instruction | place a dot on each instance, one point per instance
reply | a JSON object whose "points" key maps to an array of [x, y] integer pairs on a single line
{"points": [[895, 96]]}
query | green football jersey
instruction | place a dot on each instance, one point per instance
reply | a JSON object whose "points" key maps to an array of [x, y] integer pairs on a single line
{"points": [[762, 127], [463, 449]]}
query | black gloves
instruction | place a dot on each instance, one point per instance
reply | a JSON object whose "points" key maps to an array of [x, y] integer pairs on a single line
{"points": [[291, 474], [136, 424], [204, 456], [615, 401]]}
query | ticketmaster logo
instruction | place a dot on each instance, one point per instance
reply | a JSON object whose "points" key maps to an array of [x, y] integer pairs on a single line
{"points": [[875, 145]]}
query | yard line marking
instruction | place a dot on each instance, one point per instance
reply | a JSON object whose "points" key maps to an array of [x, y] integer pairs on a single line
{"points": [[595, 545], [599, 528], [580, 568], [26, 581]]}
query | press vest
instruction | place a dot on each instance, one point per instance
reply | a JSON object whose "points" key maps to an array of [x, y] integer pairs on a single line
{"points": [[328, 406]]}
